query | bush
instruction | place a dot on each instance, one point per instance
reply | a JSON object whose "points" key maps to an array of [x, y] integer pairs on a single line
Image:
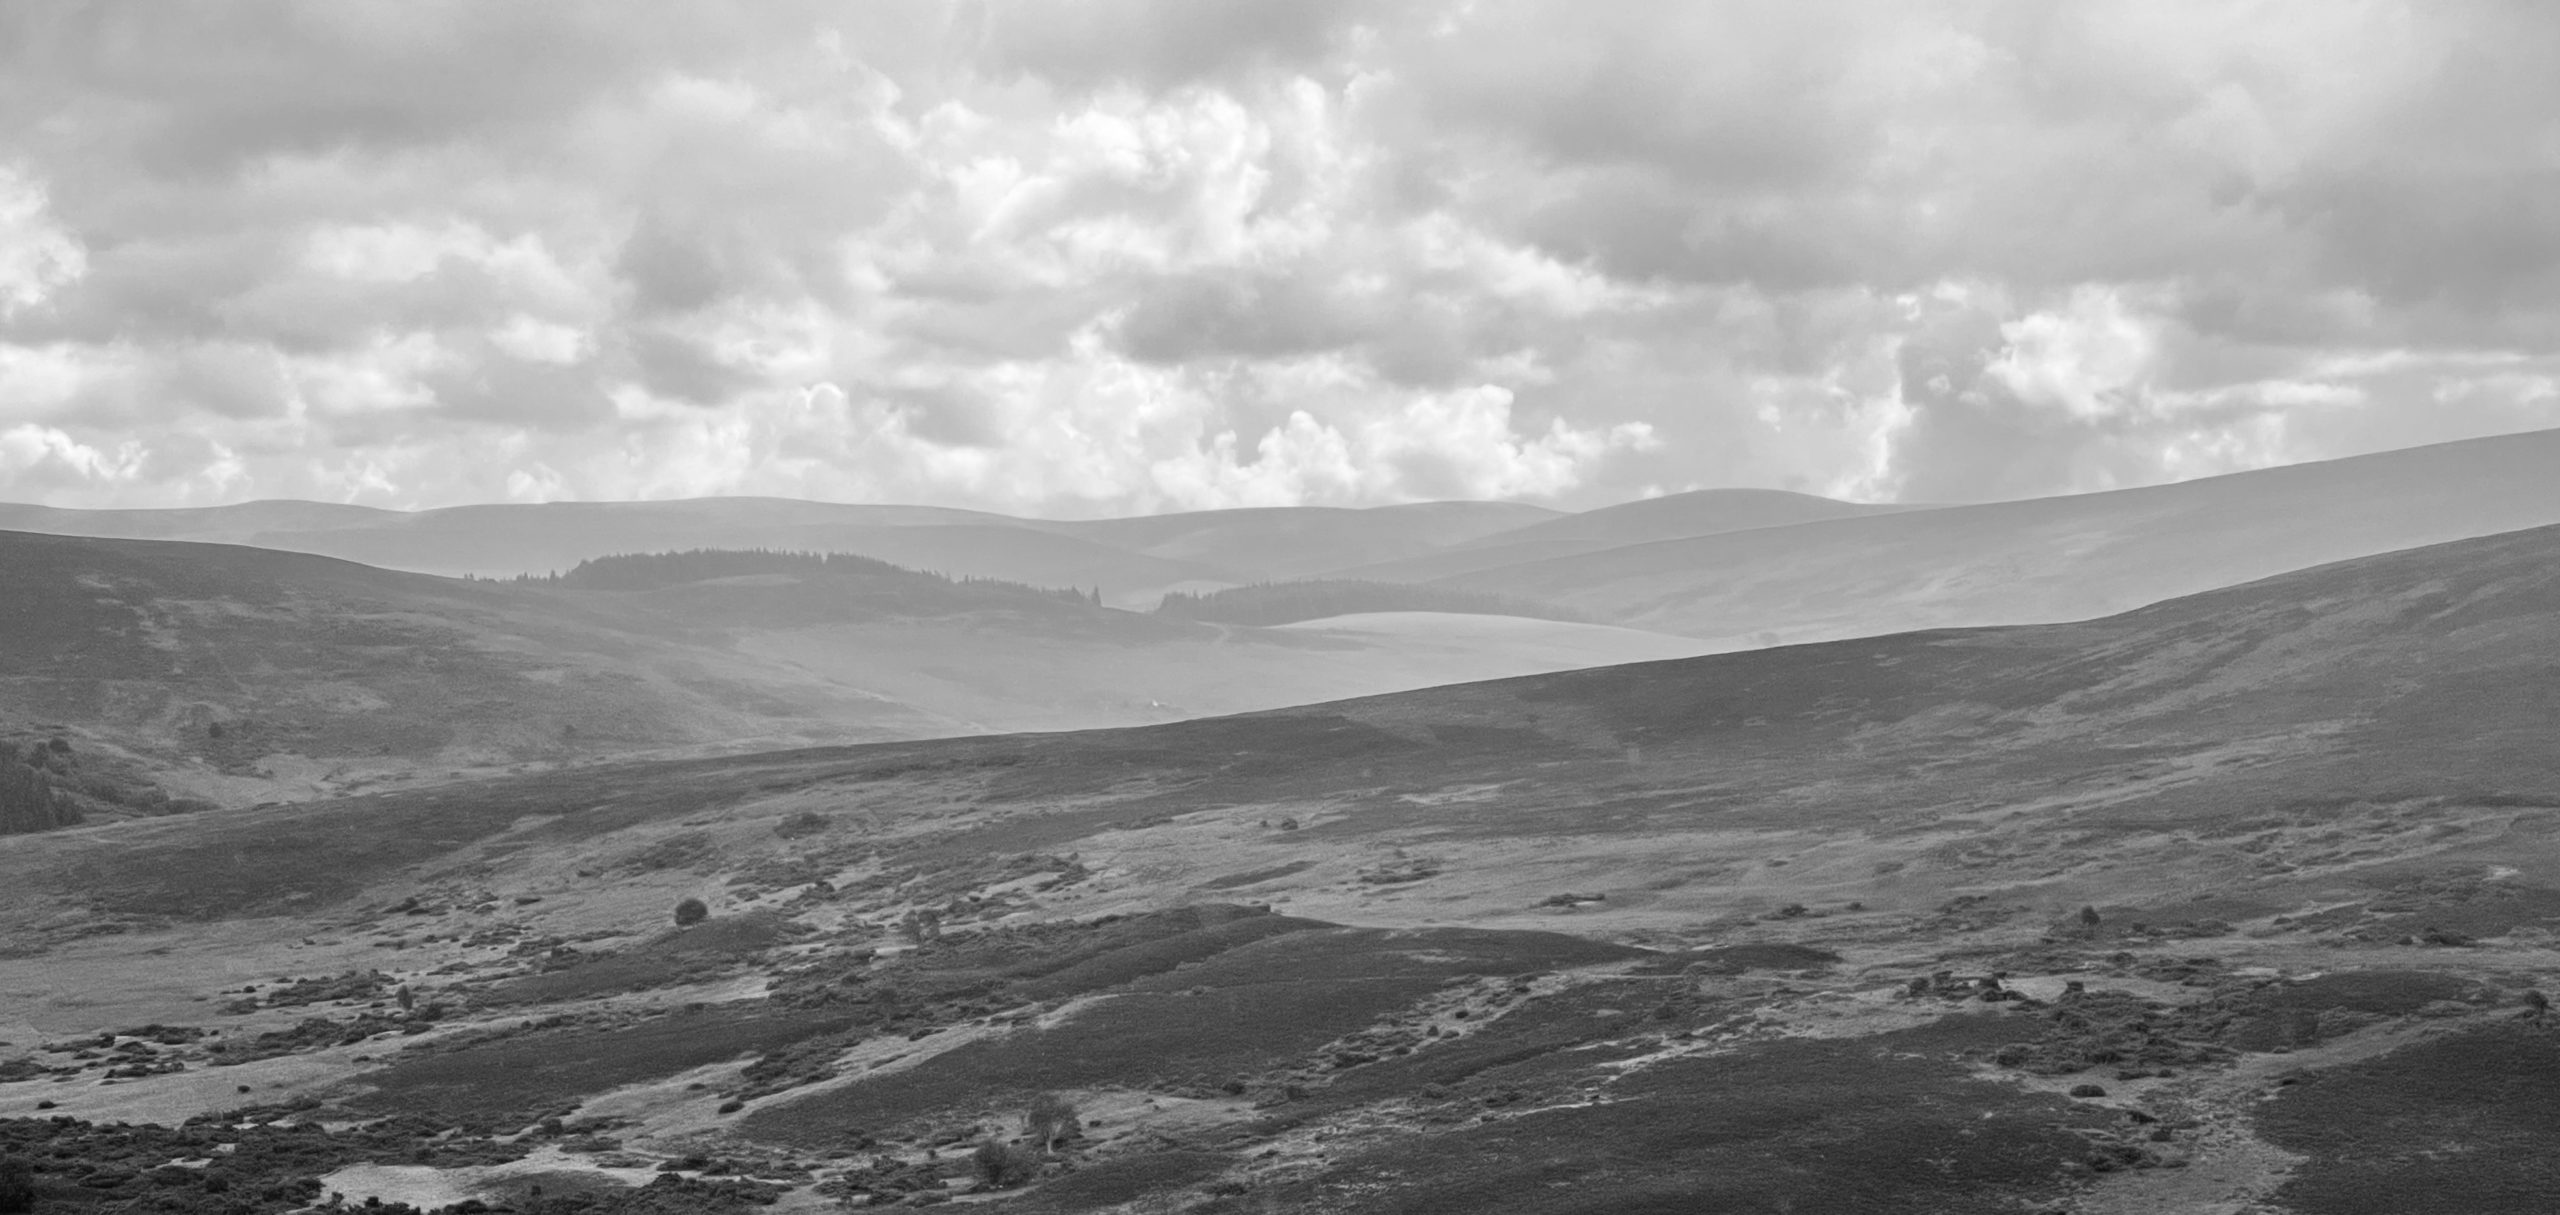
{"points": [[1002, 1165], [691, 911], [28, 801], [17, 1185], [1050, 1120]]}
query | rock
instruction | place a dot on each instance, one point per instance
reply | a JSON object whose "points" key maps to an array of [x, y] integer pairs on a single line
{"points": [[2087, 1090]]}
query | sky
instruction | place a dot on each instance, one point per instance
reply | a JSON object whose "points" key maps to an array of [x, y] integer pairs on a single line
{"points": [[1077, 258]]}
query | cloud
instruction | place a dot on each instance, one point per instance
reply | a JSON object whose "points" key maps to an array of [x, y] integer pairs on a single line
{"points": [[1160, 43], [1129, 255], [36, 255]]}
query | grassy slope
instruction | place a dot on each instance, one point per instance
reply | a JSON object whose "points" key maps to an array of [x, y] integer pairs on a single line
{"points": [[324, 675], [155, 645], [1261, 543], [1671, 517], [2418, 675], [2050, 559], [1124, 556], [2322, 740]]}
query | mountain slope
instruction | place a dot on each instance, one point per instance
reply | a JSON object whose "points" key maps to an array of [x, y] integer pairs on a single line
{"points": [[251, 673], [1703, 512], [1132, 559], [2431, 673], [1265, 543], [2049, 559], [1958, 921]]}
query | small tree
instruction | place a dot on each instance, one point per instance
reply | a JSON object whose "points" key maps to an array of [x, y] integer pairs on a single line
{"points": [[691, 911], [1002, 1165], [921, 925], [2089, 917], [1050, 1120]]}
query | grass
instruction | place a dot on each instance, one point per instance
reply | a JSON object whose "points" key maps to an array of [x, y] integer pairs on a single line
{"points": [[1253, 876], [2465, 1123], [513, 1080], [1883, 1124], [1257, 1006], [1737, 959], [2388, 993], [683, 955], [1126, 1179], [1127, 964]]}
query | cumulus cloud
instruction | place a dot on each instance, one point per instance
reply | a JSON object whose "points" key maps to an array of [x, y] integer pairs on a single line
{"points": [[1129, 255], [36, 255]]}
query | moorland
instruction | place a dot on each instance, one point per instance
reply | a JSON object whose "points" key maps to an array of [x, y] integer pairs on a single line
{"points": [[2237, 901]]}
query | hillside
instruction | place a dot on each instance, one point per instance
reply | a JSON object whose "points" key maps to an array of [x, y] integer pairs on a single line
{"points": [[1271, 543], [2048, 559], [1705, 512], [244, 674], [2236, 901], [1273, 603], [1132, 560], [1729, 568]]}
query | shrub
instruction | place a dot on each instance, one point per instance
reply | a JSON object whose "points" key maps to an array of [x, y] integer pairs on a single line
{"points": [[1050, 1120], [28, 801], [1003, 1165], [691, 911], [17, 1184]]}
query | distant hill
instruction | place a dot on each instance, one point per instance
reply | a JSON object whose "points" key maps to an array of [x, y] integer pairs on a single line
{"points": [[1703, 512], [2047, 559], [1271, 543], [877, 583], [249, 674], [2393, 686], [1602, 940], [1732, 568], [1272, 603], [1131, 560]]}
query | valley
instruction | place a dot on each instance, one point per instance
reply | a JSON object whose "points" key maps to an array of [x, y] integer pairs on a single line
{"points": [[2234, 903], [235, 675]]}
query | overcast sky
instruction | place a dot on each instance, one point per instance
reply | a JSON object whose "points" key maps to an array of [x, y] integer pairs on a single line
{"points": [[1115, 256]]}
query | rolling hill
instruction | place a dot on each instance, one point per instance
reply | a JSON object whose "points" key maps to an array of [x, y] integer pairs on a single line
{"points": [[247, 673], [1705, 512], [2239, 899], [1132, 560], [1268, 543], [1732, 568], [505, 540], [2047, 559]]}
